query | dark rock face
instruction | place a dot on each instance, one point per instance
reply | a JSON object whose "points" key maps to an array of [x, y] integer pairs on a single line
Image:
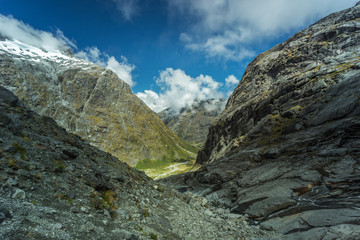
{"points": [[193, 122], [54, 185], [89, 101], [286, 149]]}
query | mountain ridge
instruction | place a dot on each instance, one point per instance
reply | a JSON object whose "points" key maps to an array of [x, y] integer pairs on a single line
{"points": [[285, 150], [88, 100], [192, 122]]}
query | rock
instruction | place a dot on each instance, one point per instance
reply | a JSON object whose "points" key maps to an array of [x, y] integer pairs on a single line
{"points": [[12, 182], [208, 212], [233, 216], [204, 202], [8, 97], [341, 232], [121, 178], [123, 214], [18, 194], [4, 214], [285, 150], [23, 173], [74, 210], [2, 217], [71, 153], [90, 201], [264, 207], [58, 226]]}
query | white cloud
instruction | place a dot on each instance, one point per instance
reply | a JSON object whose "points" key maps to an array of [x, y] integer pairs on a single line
{"points": [[226, 28], [179, 90], [122, 68], [152, 100], [127, 8], [15, 29], [231, 81]]}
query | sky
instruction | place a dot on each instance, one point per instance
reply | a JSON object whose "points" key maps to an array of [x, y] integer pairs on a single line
{"points": [[170, 52]]}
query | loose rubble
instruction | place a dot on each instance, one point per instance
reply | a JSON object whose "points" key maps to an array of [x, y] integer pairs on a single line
{"points": [[54, 185]]}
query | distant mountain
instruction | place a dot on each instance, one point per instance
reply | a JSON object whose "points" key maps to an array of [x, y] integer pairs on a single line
{"points": [[87, 100], [286, 149], [192, 122]]}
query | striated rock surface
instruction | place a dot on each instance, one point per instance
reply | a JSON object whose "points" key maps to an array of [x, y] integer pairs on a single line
{"points": [[53, 185], [193, 122], [89, 101], [286, 149]]}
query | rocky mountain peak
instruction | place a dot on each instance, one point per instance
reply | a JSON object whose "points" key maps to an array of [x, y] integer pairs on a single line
{"points": [[192, 122], [285, 150], [290, 75]]}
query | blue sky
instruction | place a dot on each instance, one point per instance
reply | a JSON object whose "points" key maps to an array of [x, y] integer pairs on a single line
{"points": [[173, 51]]}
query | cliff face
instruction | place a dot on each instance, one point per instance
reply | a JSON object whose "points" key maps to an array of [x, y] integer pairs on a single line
{"points": [[193, 122], [54, 185], [281, 85], [87, 100], [286, 149]]}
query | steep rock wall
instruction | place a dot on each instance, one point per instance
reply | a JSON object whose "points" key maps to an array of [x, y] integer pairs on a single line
{"points": [[286, 149]]}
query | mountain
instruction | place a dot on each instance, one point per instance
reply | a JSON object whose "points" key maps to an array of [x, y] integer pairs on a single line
{"points": [[54, 185], [89, 101], [286, 149], [192, 122]]}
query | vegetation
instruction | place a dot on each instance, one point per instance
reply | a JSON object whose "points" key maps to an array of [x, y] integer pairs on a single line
{"points": [[159, 163], [162, 168]]}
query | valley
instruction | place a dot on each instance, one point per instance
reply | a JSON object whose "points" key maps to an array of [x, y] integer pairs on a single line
{"points": [[82, 157]]}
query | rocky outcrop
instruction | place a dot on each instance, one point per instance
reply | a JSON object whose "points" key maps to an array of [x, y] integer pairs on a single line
{"points": [[89, 101], [53, 185], [286, 149], [193, 122]]}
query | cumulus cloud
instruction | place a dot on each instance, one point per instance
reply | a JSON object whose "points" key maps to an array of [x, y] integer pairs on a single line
{"points": [[16, 29], [127, 8], [231, 81], [122, 68], [179, 90], [226, 28]]}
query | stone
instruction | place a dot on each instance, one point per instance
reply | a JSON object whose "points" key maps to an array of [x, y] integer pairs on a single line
{"points": [[123, 214], [121, 178], [12, 181], [265, 207], [5, 211], [23, 173], [71, 153], [2, 217], [233, 216], [58, 226], [18, 194], [208, 212], [204, 202], [7, 96]]}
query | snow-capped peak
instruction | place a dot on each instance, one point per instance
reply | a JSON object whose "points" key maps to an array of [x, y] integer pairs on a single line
{"points": [[23, 51]]}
